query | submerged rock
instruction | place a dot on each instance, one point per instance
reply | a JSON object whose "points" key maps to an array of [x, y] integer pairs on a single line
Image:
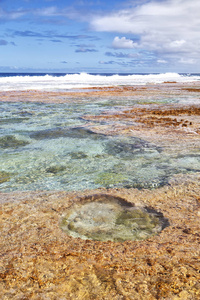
{"points": [[126, 150], [108, 218], [78, 155], [10, 141], [13, 120], [76, 132], [4, 176], [148, 184], [55, 169]]}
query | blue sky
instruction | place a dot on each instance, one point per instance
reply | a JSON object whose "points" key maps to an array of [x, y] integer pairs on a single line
{"points": [[100, 36]]}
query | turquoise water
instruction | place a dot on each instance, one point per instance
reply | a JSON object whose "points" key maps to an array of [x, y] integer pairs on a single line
{"points": [[51, 147]]}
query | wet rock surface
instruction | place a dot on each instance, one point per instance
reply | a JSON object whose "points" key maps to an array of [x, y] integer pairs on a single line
{"points": [[154, 117]]}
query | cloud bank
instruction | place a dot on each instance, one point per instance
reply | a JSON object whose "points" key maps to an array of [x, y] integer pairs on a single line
{"points": [[143, 34], [170, 28]]}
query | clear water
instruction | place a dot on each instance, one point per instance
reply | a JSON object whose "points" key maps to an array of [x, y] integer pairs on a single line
{"points": [[50, 147], [107, 218]]}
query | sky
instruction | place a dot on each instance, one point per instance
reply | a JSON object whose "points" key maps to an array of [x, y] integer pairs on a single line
{"points": [[100, 36]]}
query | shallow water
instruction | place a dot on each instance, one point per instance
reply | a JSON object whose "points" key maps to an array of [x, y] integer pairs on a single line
{"points": [[108, 218], [50, 147]]}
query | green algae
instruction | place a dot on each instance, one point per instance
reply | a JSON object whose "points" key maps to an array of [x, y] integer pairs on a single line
{"points": [[137, 219], [10, 141], [109, 178], [109, 219]]}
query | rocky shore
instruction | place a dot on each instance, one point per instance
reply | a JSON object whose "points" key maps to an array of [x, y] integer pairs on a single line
{"points": [[38, 260]]}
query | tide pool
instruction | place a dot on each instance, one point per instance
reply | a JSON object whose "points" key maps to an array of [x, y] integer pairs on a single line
{"points": [[51, 147]]}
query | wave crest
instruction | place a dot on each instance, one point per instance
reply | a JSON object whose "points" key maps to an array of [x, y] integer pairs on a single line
{"points": [[84, 80]]}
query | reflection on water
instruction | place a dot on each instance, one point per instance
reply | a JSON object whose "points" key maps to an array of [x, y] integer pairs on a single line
{"points": [[49, 147]]}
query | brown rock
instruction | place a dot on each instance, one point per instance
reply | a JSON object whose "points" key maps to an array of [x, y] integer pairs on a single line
{"points": [[39, 260]]}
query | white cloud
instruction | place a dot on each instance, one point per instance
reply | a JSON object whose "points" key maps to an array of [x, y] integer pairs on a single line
{"points": [[122, 43], [177, 44], [161, 61], [170, 28], [162, 16]]}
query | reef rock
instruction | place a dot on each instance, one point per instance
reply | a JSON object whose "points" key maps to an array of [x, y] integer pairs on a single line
{"points": [[41, 261]]}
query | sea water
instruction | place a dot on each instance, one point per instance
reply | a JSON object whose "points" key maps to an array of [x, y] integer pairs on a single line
{"points": [[51, 147]]}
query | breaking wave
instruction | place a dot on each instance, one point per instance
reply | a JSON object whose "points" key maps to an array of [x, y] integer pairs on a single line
{"points": [[30, 81]]}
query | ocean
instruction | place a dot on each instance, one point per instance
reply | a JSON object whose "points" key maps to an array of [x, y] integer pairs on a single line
{"points": [[60, 81]]}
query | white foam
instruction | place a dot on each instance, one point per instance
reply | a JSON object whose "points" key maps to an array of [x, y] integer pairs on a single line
{"points": [[84, 80]]}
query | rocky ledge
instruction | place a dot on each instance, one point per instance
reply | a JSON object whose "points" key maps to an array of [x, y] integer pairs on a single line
{"points": [[40, 261]]}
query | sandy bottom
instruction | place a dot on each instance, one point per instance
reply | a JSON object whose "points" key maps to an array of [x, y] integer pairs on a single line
{"points": [[40, 261]]}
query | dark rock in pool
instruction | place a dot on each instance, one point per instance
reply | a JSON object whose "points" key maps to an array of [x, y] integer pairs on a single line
{"points": [[55, 169], [4, 176], [10, 141], [78, 155], [13, 120], [147, 184], [126, 150], [76, 132]]}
